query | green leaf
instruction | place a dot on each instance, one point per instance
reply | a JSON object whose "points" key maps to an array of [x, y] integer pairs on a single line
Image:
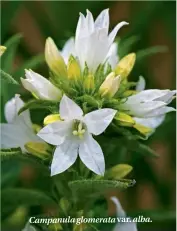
{"points": [[45, 104], [91, 187], [126, 44], [7, 78], [32, 63], [28, 197], [138, 147], [150, 51], [10, 152], [16, 154], [8, 57]]}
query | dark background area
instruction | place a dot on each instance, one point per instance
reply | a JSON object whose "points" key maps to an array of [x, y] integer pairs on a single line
{"points": [[151, 23]]}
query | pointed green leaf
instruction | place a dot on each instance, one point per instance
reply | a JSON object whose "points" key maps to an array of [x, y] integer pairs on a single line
{"points": [[10, 152], [24, 196], [37, 104], [7, 78], [8, 57], [91, 187], [32, 63], [150, 51]]}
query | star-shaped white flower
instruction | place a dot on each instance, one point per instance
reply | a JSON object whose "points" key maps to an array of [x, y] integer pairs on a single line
{"points": [[124, 226], [19, 130], [73, 136]]}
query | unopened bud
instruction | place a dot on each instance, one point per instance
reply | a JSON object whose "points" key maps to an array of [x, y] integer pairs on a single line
{"points": [[38, 149], [2, 50], [124, 119], [125, 65], [54, 59], [51, 118], [89, 82], [110, 85], [142, 129], [74, 71]]}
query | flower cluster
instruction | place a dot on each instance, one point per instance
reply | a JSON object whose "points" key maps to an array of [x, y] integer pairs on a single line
{"points": [[92, 88]]}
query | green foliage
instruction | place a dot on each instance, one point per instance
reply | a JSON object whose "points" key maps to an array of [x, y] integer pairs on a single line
{"points": [[37, 104], [144, 53], [10, 152], [88, 188], [7, 78], [9, 55], [27, 197], [32, 63]]}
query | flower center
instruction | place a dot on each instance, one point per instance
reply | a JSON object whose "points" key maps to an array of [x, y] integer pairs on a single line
{"points": [[79, 129]]}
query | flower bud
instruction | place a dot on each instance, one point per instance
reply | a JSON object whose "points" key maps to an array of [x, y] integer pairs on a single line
{"points": [[143, 129], [74, 71], [118, 171], [89, 82], [54, 59], [129, 93], [51, 118], [110, 85], [40, 150], [36, 128], [2, 50], [124, 119], [125, 65], [41, 87]]}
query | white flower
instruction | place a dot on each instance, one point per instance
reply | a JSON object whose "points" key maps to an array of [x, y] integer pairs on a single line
{"points": [[149, 106], [73, 136], [28, 227], [18, 131], [141, 84], [92, 41], [124, 226], [112, 56], [68, 49], [40, 86]]}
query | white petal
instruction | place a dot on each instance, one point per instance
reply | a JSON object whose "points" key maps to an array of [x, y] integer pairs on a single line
{"points": [[64, 156], [142, 109], [119, 209], [152, 122], [147, 95], [90, 22], [160, 111], [97, 121], [81, 29], [126, 227], [168, 97], [92, 49], [141, 84], [13, 136], [28, 227], [91, 155], [113, 33], [112, 56], [68, 49], [69, 109], [55, 133], [40, 86], [11, 110], [102, 21]]}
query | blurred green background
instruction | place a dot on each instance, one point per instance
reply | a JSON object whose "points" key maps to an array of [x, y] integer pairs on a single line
{"points": [[151, 23]]}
